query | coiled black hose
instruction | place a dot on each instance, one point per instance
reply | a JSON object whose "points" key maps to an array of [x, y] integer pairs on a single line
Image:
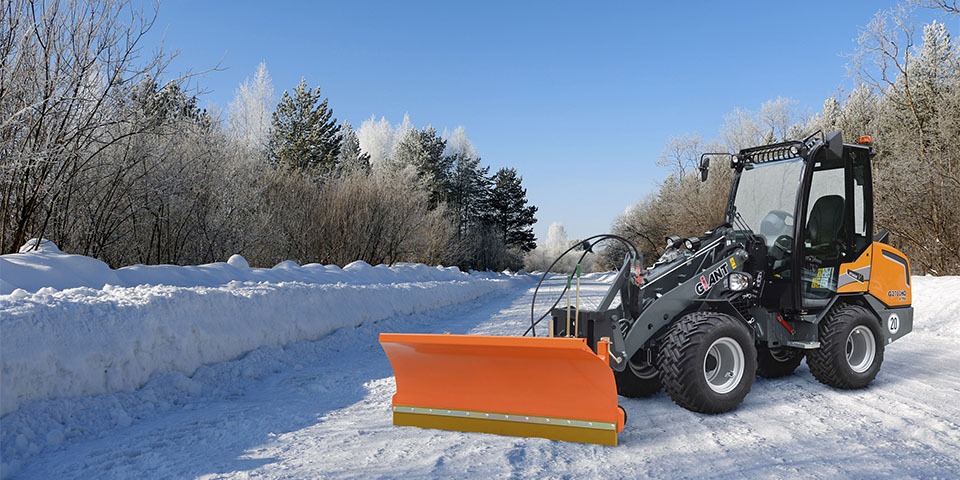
{"points": [[599, 238]]}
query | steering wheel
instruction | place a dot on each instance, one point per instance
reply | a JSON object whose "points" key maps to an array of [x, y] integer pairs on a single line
{"points": [[783, 243], [776, 222], [784, 215], [780, 251]]}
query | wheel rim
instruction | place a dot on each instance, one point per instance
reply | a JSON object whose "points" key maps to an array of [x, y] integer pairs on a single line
{"points": [[723, 365], [861, 349]]}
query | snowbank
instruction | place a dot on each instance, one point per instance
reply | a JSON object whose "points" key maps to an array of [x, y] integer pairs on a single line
{"points": [[87, 329], [46, 266]]}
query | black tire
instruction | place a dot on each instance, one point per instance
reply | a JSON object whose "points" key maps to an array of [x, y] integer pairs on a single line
{"points": [[685, 366], [830, 364], [639, 379], [777, 362]]}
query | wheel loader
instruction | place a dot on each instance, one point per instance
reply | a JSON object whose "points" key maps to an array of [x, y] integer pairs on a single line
{"points": [[793, 271]]}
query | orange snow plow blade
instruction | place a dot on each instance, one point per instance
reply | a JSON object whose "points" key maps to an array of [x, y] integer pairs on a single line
{"points": [[554, 388]]}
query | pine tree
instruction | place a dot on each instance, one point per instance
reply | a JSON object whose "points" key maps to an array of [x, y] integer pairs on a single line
{"points": [[351, 158], [305, 135], [509, 213], [423, 149], [469, 189]]}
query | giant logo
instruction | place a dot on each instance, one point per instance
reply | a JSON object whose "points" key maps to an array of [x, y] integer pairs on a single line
{"points": [[707, 281]]}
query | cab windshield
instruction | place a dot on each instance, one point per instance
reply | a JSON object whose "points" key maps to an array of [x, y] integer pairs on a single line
{"points": [[766, 198]]}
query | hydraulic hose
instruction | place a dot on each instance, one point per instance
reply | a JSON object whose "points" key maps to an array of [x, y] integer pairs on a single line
{"points": [[632, 250]]}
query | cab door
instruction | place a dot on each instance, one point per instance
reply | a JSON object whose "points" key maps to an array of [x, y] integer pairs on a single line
{"points": [[837, 222]]}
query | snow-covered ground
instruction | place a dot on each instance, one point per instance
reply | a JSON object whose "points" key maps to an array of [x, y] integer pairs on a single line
{"points": [[319, 407]]}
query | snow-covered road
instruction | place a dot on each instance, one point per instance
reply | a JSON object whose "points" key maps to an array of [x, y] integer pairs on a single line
{"points": [[321, 410]]}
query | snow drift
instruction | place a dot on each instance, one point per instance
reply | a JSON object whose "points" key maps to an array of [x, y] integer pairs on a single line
{"points": [[87, 329], [40, 264]]}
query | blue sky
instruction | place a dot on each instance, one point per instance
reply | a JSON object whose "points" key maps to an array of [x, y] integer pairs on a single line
{"points": [[579, 97]]}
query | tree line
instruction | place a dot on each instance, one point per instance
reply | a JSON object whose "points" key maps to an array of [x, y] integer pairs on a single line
{"points": [[907, 99], [104, 156]]}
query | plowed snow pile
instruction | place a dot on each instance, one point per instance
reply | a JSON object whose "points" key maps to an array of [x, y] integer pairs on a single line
{"points": [[87, 329]]}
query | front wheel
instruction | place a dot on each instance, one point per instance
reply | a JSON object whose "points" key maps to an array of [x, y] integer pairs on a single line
{"points": [[708, 362], [851, 348]]}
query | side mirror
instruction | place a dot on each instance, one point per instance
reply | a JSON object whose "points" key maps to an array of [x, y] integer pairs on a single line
{"points": [[704, 167], [834, 145]]}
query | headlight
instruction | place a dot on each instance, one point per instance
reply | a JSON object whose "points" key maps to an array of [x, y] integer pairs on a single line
{"points": [[738, 281], [669, 256]]}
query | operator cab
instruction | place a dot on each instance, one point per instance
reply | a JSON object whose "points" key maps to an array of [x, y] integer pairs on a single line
{"points": [[802, 208]]}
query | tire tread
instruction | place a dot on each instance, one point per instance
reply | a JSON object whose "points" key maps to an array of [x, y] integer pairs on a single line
{"points": [[824, 362], [679, 348]]}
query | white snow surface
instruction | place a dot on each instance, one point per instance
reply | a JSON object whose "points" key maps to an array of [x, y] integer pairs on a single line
{"points": [[320, 407], [168, 319]]}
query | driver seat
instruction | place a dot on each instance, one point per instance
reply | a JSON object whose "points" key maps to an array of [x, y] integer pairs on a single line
{"points": [[823, 231], [826, 219]]}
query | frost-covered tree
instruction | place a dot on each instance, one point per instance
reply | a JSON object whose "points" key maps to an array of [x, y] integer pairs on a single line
{"points": [[468, 186], [351, 158], [854, 116], [779, 119], [540, 258], [376, 139], [916, 171], [401, 131], [829, 117], [67, 68], [682, 154], [859, 112], [907, 99], [250, 112], [424, 149], [382, 141], [305, 135], [459, 143], [682, 205], [951, 7], [740, 130]]}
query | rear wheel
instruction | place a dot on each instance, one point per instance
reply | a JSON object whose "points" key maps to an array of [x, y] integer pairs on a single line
{"points": [[777, 362], [851, 348], [639, 379], [708, 362]]}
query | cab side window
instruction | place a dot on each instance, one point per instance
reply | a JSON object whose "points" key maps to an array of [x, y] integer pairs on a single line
{"points": [[861, 225], [826, 210], [824, 233]]}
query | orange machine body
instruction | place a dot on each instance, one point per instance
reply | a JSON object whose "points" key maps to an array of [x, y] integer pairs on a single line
{"points": [[882, 271], [553, 388]]}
